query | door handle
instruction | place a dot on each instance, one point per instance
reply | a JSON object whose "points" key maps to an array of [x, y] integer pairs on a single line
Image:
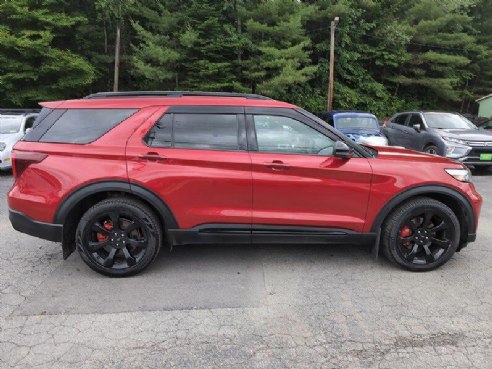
{"points": [[152, 156], [277, 165]]}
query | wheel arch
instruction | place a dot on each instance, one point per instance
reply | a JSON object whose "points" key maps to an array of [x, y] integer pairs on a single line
{"points": [[451, 197], [80, 200]]}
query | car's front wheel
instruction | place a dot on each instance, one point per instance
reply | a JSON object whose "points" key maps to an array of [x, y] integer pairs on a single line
{"points": [[119, 237], [421, 235], [431, 149]]}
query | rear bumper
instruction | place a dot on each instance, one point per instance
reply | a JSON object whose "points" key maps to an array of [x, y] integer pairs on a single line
{"points": [[46, 231]]}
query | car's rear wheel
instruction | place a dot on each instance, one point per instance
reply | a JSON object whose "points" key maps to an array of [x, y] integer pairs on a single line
{"points": [[421, 234], [119, 237]]}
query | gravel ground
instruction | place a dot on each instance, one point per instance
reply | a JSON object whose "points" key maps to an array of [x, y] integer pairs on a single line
{"points": [[231, 307]]}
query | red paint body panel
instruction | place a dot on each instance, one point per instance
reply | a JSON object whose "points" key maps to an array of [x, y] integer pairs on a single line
{"points": [[313, 191]]}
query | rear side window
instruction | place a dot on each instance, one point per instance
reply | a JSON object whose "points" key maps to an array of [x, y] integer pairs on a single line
{"points": [[82, 126], [196, 131], [400, 119]]}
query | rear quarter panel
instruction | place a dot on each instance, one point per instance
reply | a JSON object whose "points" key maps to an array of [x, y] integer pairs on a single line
{"points": [[43, 186]]}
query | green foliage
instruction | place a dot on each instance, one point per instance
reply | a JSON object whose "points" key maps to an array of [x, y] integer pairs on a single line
{"points": [[34, 63], [390, 54], [279, 48]]}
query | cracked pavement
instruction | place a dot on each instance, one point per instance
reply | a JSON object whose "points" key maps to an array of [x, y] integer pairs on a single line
{"points": [[236, 307]]}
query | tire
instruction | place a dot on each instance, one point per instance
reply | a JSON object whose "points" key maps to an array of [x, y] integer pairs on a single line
{"points": [[126, 249], [421, 234], [431, 149]]}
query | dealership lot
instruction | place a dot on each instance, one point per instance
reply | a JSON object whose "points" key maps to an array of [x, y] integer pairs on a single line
{"points": [[257, 307]]}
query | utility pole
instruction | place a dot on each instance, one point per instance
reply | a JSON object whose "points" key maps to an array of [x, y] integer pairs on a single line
{"points": [[117, 56], [334, 24]]}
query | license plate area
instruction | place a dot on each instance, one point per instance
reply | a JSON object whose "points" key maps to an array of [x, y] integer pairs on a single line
{"points": [[486, 156]]}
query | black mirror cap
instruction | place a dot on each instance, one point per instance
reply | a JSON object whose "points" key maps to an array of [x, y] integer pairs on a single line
{"points": [[342, 150]]}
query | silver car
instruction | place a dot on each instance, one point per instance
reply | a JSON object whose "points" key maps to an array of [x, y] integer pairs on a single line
{"points": [[13, 125]]}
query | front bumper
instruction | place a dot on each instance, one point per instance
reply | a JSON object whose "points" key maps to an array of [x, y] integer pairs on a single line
{"points": [[46, 231], [473, 157]]}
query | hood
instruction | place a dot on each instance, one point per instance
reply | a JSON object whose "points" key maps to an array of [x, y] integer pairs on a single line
{"points": [[396, 153], [467, 134]]}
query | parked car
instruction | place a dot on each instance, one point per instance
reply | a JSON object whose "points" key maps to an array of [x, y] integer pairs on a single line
{"points": [[118, 175], [361, 127], [446, 134], [13, 125], [484, 123]]}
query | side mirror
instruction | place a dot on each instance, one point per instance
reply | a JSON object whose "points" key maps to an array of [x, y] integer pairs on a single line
{"points": [[417, 127], [28, 130], [342, 150]]}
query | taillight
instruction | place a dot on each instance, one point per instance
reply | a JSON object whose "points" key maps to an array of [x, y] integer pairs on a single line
{"points": [[22, 159]]}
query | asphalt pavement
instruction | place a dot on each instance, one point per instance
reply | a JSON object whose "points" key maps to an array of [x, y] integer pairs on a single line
{"points": [[245, 307]]}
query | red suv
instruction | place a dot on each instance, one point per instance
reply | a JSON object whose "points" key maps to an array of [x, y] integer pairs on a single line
{"points": [[118, 175]]}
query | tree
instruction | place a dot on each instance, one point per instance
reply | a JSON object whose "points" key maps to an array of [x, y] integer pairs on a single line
{"points": [[35, 61], [115, 11], [442, 50], [278, 51]]}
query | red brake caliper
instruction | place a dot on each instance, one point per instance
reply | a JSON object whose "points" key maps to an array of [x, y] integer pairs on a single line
{"points": [[405, 232], [100, 236]]}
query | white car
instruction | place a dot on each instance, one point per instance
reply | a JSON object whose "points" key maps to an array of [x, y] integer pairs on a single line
{"points": [[13, 125]]}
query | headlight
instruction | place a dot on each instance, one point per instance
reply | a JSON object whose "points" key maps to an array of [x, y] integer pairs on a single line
{"points": [[462, 175], [455, 140], [2, 146], [455, 152]]}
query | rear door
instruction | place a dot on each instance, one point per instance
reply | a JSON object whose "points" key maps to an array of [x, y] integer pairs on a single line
{"points": [[195, 160], [297, 182]]}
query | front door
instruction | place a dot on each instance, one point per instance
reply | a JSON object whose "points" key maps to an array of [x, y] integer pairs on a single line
{"points": [[297, 181]]}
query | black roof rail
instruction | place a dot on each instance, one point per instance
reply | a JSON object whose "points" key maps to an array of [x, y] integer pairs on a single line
{"points": [[102, 95], [19, 111]]}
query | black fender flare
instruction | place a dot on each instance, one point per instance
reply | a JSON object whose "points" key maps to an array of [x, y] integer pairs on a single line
{"points": [[83, 192], [422, 191]]}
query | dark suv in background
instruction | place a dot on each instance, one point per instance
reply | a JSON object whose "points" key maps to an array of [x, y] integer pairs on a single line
{"points": [[446, 134]]}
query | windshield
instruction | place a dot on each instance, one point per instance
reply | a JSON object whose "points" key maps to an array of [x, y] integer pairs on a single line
{"points": [[356, 122], [448, 121], [10, 124]]}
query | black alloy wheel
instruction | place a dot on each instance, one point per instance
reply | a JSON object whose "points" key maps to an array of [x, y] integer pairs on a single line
{"points": [[421, 235], [119, 237]]}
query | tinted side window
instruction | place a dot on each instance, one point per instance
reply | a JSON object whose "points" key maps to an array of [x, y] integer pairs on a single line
{"points": [[400, 119], [161, 133], [43, 122], [206, 131], [415, 119], [82, 126], [287, 135]]}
